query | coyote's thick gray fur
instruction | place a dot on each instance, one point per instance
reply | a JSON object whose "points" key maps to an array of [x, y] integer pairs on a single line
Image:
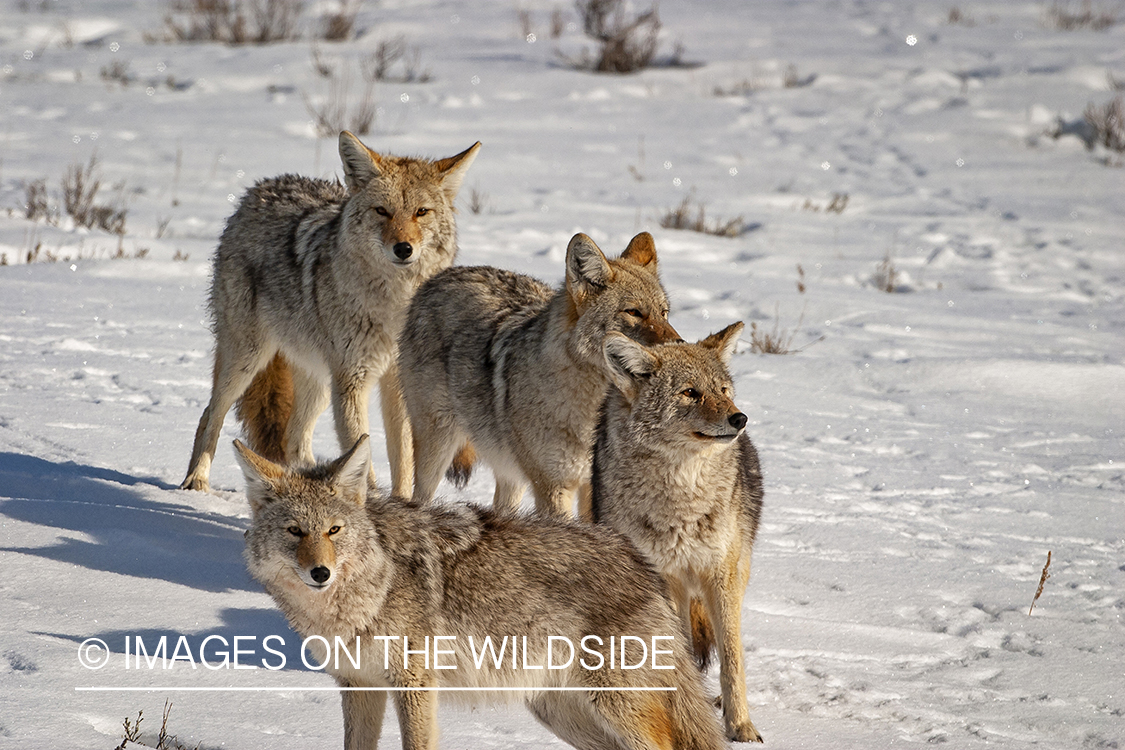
{"points": [[676, 474], [501, 360], [344, 564], [310, 285]]}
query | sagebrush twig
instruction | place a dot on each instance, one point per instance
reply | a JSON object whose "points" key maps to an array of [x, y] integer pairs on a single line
{"points": [[1042, 579]]}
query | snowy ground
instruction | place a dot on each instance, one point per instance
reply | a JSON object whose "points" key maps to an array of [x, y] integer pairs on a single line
{"points": [[921, 457]]}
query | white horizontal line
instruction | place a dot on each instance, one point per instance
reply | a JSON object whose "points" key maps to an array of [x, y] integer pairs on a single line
{"points": [[94, 689]]}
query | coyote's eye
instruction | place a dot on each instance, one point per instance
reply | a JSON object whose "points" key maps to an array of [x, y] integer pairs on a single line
{"points": [[632, 311], [334, 530], [664, 314], [382, 211], [691, 393], [295, 530], [421, 212]]}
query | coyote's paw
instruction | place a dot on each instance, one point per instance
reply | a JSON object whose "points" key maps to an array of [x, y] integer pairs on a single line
{"points": [[743, 732], [194, 482]]}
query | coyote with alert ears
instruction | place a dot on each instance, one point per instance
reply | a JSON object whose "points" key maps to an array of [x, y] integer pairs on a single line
{"points": [[344, 563], [501, 360], [310, 286], [675, 472]]}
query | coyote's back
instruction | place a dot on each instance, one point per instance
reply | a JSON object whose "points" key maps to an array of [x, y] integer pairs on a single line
{"points": [[516, 367]]}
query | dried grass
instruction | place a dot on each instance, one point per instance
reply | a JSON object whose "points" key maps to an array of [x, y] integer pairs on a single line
{"points": [[164, 740], [37, 205], [478, 201], [332, 112], [627, 44], [233, 21], [80, 189], [1064, 17], [957, 17], [1108, 123], [378, 65], [339, 26], [1042, 580], [886, 275], [685, 216], [779, 340]]}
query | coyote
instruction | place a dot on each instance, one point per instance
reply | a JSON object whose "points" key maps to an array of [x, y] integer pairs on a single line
{"points": [[310, 284], [413, 590], [676, 474], [499, 359]]}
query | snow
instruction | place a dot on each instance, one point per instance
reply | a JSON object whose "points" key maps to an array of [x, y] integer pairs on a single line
{"points": [[923, 451]]}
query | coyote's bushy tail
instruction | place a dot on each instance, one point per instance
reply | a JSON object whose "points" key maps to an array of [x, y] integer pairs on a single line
{"points": [[265, 408], [461, 469], [702, 635]]}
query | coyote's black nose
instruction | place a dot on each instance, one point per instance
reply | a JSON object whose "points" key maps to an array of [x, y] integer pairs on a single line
{"points": [[403, 250], [737, 420], [320, 574]]}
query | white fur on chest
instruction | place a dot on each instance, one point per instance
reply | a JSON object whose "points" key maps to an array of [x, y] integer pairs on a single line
{"points": [[679, 517]]}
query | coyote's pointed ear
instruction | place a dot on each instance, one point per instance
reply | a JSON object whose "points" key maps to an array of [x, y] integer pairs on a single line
{"points": [[361, 164], [724, 341], [261, 475], [587, 269], [642, 251], [453, 170], [628, 362], [349, 471]]}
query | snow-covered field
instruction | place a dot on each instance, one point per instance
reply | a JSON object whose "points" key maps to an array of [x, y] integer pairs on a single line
{"points": [[923, 452]]}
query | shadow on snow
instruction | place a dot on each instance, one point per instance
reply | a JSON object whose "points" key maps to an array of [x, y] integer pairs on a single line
{"points": [[127, 532]]}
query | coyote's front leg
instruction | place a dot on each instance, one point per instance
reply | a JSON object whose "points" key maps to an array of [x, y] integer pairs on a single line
{"points": [[350, 393], [363, 718]]}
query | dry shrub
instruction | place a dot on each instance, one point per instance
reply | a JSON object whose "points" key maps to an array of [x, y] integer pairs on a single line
{"points": [[233, 21], [886, 275], [836, 204], [792, 80], [37, 206], [80, 191], [684, 216], [627, 44], [776, 341], [339, 26], [558, 23], [527, 24], [377, 66], [333, 113], [779, 340], [117, 72], [959, 17], [745, 87], [478, 201], [1107, 123], [1063, 17], [164, 740]]}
